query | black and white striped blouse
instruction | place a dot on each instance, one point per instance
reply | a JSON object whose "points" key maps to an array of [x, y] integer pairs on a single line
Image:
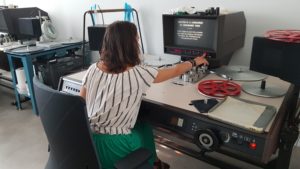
{"points": [[113, 100]]}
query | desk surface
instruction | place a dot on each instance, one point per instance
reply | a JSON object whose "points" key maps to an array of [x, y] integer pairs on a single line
{"points": [[23, 50], [180, 96]]}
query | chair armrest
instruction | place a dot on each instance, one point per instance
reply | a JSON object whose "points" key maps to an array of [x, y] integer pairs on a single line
{"points": [[135, 160]]}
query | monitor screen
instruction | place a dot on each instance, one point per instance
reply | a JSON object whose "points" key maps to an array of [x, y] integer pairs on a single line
{"points": [[195, 33], [29, 28], [276, 58], [96, 35], [189, 36]]}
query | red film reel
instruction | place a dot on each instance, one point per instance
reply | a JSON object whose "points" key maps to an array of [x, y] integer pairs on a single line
{"points": [[219, 88], [291, 36]]}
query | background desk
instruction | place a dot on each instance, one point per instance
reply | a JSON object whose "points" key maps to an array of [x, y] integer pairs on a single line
{"points": [[27, 60]]}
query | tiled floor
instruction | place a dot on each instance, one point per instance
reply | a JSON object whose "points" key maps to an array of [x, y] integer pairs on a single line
{"points": [[24, 145], [22, 140]]}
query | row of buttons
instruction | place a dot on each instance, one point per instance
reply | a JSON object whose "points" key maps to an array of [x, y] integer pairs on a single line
{"points": [[72, 89], [184, 51], [240, 139]]}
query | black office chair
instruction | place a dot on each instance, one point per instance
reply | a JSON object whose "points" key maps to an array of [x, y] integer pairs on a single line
{"points": [[64, 119]]}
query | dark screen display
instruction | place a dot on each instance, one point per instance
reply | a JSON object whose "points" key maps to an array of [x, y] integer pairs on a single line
{"points": [[96, 35], [3, 25], [195, 32], [29, 27]]}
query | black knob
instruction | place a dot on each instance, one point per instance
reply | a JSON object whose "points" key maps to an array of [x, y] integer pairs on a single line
{"points": [[225, 137], [206, 140]]}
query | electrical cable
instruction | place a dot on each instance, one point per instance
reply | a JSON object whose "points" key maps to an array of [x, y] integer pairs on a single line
{"points": [[92, 16], [49, 30], [291, 36], [101, 15]]}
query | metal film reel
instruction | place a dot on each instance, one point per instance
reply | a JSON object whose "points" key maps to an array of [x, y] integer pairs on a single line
{"points": [[219, 88]]}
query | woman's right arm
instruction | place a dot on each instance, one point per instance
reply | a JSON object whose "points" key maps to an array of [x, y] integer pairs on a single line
{"points": [[169, 73], [82, 92]]}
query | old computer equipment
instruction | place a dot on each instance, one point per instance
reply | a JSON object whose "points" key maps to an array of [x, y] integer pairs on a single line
{"points": [[29, 31], [9, 20], [29, 27], [9, 24], [190, 35], [275, 58]]}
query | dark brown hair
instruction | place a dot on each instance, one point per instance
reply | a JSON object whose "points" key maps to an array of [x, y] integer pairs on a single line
{"points": [[120, 47]]}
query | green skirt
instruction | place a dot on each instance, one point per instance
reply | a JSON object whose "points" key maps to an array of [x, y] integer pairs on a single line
{"points": [[111, 148]]}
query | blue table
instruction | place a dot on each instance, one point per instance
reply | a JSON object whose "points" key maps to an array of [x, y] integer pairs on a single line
{"points": [[27, 59]]}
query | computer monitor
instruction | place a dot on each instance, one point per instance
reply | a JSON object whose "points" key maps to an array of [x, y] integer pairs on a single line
{"points": [[96, 35], [275, 58], [29, 28], [192, 35]]}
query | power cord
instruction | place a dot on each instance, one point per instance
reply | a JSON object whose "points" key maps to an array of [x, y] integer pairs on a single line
{"points": [[101, 15]]}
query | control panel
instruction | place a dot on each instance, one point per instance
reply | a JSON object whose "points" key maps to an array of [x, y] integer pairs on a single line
{"points": [[207, 134], [195, 74], [72, 83], [70, 87]]}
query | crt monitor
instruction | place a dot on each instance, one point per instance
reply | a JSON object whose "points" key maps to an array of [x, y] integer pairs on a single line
{"points": [[96, 35], [276, 58], [192, 35], [29, 28]]}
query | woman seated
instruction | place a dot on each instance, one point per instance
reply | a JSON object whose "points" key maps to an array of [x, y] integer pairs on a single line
{"points": [[113, 89]]}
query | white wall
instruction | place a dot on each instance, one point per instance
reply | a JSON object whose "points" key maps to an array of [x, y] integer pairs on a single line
{"points": [[2, 2], [261, 15]]}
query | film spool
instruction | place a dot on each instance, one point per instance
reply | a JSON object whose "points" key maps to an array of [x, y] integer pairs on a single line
{"points": [[290, 36], [219, 88]]}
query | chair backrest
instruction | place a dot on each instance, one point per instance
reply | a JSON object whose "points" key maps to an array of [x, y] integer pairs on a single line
{"points": [[65, 122]]}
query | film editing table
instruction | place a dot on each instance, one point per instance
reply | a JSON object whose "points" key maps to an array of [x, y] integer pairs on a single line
{"points": [[179, 124], [233, 133], [28, 55]]}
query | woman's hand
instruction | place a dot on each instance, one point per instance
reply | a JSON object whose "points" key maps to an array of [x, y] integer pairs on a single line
{"points": [[168, 73], [201, 60]]}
